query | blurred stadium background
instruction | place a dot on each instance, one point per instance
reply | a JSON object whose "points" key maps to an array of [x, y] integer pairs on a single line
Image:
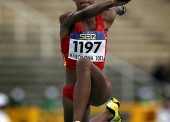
{"points": [[31, 69]]}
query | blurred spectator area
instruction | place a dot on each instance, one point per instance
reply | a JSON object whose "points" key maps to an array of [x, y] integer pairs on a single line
{"points": [[30, 47]]}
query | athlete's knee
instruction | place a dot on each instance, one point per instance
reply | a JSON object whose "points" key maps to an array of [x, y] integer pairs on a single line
{"points": [[83, 63]]}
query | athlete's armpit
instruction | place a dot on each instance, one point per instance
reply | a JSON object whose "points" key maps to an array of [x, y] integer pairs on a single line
{"points": [[108, 18]]}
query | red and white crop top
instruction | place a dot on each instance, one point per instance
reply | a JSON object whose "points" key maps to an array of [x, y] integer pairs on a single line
{"points": [[88, 44]]}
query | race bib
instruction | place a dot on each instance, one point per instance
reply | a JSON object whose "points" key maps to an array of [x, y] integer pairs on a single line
{"points": [[87, 44]]}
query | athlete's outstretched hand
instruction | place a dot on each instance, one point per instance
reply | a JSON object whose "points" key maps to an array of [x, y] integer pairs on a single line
{"points": [[120, 2]]}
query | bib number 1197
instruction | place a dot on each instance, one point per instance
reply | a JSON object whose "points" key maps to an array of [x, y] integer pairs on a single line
{"points": [[86, 47]]}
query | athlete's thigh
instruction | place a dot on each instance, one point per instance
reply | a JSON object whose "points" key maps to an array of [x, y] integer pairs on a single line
{"points": [[100, 88], [68, 110]]}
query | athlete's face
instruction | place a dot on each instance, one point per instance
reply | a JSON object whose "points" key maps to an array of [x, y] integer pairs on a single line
{"points": [[81, 4]]}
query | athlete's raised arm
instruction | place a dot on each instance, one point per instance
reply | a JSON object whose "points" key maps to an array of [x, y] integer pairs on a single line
{"points": [[85, 9]]}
